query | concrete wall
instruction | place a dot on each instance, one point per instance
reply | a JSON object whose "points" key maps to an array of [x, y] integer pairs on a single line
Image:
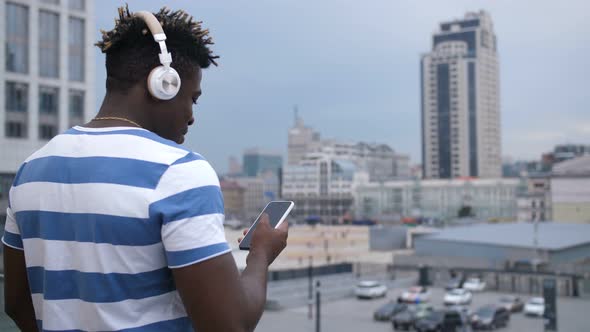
{"points": [[387, 238], [572, 212], [570, 255]]}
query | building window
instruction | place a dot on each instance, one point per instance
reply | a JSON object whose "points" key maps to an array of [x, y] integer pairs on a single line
{"points": [[47, 132], [76, 45], [16, 129], [5, 184], [17, 38], [17, 95], [51, 2], [534, 204], [76, 103], [48, 44], [48, 100], [76, 4]]}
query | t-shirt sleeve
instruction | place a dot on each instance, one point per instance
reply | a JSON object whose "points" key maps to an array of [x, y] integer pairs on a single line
{"points": [[11, 235], [189, 204]]}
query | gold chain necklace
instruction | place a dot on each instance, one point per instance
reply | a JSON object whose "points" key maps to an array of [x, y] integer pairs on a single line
{"points": [[116, 118]]}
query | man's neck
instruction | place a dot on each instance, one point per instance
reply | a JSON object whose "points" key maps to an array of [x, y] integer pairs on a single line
{"points": [[122, 107]]}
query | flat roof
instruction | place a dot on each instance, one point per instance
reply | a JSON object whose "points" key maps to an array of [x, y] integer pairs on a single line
{"points": [[551, 235]]}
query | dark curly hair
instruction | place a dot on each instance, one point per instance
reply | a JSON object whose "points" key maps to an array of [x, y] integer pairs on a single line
{"points": [[131, 52]]}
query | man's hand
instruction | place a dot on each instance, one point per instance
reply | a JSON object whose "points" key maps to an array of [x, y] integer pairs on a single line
{"points": [[267, 243]]}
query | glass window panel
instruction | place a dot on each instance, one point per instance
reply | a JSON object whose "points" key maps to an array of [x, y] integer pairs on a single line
{"points": [[17, 38], [76, 49], [76, 103], [48, 100], [17, 95], [48, 44], [76, 4]]}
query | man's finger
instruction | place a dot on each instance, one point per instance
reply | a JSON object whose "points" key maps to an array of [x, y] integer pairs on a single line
{"points": [[240, 239], [264, 218], [245, 231], [284, 226]]}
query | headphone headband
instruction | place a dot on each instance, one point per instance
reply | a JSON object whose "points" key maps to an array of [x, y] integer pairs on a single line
{"points": [[159, 36], [163, 81]]}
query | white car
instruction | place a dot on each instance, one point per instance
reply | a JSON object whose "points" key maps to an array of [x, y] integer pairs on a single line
{"points": [[535, 307], [474, 285], [370, 289], [416, 295], [458, 296]]}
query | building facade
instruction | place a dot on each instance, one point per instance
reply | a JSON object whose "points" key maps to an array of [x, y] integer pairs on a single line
{"points": [[233, 199], [461, 101], [46, 76], [438, 199], [257, 162], [321, 187], [534, 199], [570, 190], [302, 139], [254, 200]]}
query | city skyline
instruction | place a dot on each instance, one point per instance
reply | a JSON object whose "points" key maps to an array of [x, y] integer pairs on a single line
{"points": [[376, 82]]}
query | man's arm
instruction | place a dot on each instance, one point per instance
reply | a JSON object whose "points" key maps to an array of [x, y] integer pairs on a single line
{"points": [[17, 295], [217, 297]]}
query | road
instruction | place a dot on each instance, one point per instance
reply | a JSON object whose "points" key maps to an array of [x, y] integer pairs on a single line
{"points": [[350, 314]]}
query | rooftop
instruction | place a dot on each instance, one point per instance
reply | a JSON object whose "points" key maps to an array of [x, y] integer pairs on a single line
{"points": [[552, 235], [579, 166]]}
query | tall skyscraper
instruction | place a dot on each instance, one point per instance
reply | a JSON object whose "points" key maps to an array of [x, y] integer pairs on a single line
{"points": [[46, 76], [257, 162], [461, 101]]}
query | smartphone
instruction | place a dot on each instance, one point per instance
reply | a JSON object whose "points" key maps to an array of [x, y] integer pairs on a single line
{"points": [[277, 213]]}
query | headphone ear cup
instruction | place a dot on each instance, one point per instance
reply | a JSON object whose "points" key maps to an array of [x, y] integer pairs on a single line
{"points": [[163, 83]]}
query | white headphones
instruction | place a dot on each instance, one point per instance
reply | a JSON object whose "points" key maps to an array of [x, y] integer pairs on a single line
{"points": [[163, 81]]}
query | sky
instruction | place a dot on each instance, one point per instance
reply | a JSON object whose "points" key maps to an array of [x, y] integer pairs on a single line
{"points": [[352, 69]]}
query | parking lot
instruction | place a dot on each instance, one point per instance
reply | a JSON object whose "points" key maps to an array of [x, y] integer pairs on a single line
{"points": [[351, 314]]}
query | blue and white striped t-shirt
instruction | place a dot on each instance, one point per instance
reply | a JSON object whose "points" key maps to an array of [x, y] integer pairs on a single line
{"points": [[102, 215]]}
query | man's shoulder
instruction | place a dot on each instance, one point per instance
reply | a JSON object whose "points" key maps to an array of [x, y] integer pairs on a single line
{"points": [[121, 143]]}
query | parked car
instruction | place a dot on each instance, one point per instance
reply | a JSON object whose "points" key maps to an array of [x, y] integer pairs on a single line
{"points": [[474, 285], [406, 319], [388, 310], [458, 296], [443, 321], [456, 282], [415, 295], [512, 303], [490, 317], [535, 307], [370, 289]]}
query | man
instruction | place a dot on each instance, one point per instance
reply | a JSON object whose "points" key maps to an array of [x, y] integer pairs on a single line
{"points": [[115, 226]]}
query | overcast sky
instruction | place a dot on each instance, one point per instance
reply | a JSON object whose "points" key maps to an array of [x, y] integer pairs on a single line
{"points": [[352, 67]]}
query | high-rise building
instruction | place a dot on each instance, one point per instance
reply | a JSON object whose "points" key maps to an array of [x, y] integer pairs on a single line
{"points": [[46, 76], [302, 139], [257, 162], [461, 101], [379, 160]]}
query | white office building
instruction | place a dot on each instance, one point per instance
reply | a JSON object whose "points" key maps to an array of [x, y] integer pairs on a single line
{"points": [[321, 187], [487, 199], [461, 101], [46, 76], [379, 160]]}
